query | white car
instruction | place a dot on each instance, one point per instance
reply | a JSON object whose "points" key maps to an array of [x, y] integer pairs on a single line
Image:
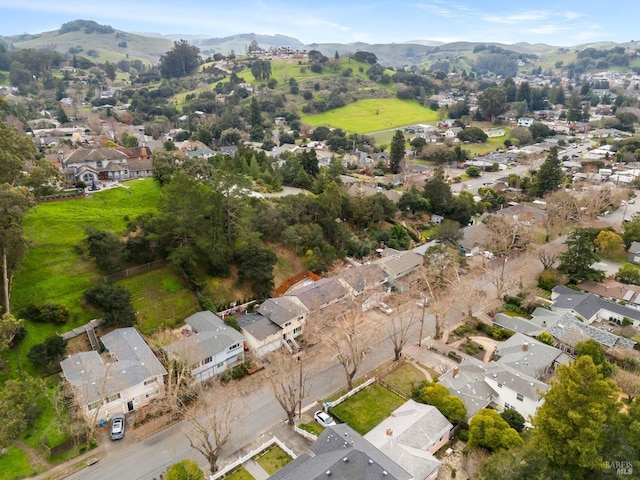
{"points": [[324, 419], [385, 308]]}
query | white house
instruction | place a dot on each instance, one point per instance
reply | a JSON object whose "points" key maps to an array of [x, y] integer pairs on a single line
{"points": [[209, 346], [125, 377], [525, 122]]}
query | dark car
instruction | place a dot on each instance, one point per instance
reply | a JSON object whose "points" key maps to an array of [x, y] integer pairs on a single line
{"points": [[117, 427]]}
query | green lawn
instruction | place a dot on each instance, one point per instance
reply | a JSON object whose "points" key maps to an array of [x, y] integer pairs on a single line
{"points": [[273, 459], [54, 270], [312, 427], [239, 474], [404, 378], [373, 115], [15, 465], [160, 298], [368, 408]]}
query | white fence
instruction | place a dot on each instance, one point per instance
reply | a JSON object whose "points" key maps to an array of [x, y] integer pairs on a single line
{"points": [[274, 440], [305, 434], [350, 393]]}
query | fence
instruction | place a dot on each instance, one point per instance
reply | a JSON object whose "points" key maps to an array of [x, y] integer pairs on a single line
{"points": [[349, 394], [274, 441], [305, 434], [242, 308], [288, 283], [81, 330], [130, 272]]}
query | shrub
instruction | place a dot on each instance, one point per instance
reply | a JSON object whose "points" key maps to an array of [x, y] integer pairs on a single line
{"points": [[547, 279], [514, 419], [46, 313], [463, 435], [237, 372]]}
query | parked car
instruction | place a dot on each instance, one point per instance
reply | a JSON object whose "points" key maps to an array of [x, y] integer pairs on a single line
{"points": [[324, 419], [117, 427], [385, 308]]}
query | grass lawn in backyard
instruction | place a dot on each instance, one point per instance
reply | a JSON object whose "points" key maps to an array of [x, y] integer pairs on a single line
{"points": [[240, 474], [273, 459], [311, 427], [14, 464], [404, 378], [368, 408], [160, 298], [373, 115]]}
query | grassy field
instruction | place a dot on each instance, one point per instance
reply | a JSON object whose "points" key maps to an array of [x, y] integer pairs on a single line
{"points": [[368, 408], [160, 298], [240, 474], [14, 464], [273, 459], [404, 378], [54, 270], [373, 115]]}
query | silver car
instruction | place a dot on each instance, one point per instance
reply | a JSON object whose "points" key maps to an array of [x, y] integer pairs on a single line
{"points": [[117, 427]]}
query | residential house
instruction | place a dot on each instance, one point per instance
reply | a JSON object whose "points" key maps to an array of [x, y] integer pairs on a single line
{"points": [[140, 163], [125, 377], [341, 453], [591, 307], [633, 254], [92, 165], [467, 382], [411, 436], [208, 346], [525, 121], [318, 295], [529, 356], [276, 323], [363, 279], [362, 190], [401, 267], [564, 327]]}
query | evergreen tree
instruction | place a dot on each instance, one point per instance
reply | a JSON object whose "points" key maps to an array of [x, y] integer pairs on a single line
{"points": [[576, 421], [397, 151], [576, 261], [510, 89], [180, 61], [438, 192], [549, 176]]}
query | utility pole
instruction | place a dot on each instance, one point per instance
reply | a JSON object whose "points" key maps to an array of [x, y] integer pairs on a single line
{"points": [[424, 307], [300, 387]]}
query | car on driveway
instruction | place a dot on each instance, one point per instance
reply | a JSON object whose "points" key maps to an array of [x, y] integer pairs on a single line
{"points": [[324, 419], [117, 427]]}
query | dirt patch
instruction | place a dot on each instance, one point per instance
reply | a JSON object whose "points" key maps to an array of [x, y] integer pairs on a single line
{"points": [[78, 344]]}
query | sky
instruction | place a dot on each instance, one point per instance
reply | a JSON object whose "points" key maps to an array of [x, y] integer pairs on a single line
{"points": [[562, 23]]}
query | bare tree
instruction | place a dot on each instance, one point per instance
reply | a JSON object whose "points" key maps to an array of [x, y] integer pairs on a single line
{"points": [[548, 258], [350, 342], [628, 382], [441, 281], [398, 328], [210, 417], [498, 279], [562, 210], [505, 234], [288, 375]]}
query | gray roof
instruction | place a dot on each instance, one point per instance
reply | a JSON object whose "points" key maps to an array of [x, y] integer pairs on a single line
{"points": [[363, 277], [281, 310], [318, 294], [570, 330], [587, 305], [413, 424], [516, 380], [257, 326], [528, 355], [517, 324], [131, 363], [347, 455], [469, 385], [635, 247], [211, 336], [397, 263]]}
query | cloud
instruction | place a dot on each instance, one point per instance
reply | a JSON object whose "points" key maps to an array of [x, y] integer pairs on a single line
{"points": [[514, 18], [572, 15], [547, 29]]}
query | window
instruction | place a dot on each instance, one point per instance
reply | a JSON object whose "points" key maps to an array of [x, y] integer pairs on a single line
{"points": [[234, 346], [506, 405], [150, 381], [152, 394], [99, 164], [208, 360], [287, 324], [520, 397], [297, 330], [112, 398], [499, 385], [94, 405]]}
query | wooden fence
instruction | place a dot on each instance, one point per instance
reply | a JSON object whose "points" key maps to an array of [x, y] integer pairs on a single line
{"points": [[130, 272], [82, 329], [288, 283]]}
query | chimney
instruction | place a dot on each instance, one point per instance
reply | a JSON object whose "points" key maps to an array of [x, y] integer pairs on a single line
{"points": [[525, 346], [389, 432], [456, 371]]}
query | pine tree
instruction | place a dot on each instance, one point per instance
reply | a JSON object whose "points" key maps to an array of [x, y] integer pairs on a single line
{"points": [[549, 176], [397, 151], [576, 261]]}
